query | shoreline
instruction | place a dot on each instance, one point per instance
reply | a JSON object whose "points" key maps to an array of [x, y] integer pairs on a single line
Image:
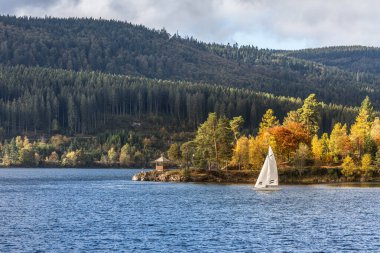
{"points": [[292, 176]]}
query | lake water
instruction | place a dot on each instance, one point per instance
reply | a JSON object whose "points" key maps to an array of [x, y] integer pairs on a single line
{"points": [[102, 210]]}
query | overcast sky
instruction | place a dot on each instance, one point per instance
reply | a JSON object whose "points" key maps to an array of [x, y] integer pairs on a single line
{"points": [[279, 24]]}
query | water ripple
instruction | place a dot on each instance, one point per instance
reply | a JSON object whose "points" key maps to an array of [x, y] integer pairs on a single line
{"points": [[103, 211]]}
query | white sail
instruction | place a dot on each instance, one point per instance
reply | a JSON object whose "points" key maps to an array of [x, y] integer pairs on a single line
{"points": [[268, 175]]}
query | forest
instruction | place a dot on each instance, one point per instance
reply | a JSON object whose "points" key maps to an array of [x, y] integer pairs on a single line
{"points": [[42, 100], [117, 47], [93, 92], [220, 145]]}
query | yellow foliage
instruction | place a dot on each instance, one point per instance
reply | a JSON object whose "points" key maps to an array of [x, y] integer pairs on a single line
{"points": [[240, 156], [112, 155], [349, 167], [257, 152], [366, 162], [71, 158], [339, 143], [359, 131], [316, 148], [375, 130]]}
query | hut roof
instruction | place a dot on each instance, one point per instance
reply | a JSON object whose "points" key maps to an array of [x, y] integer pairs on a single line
{"points": [[162, 159]]}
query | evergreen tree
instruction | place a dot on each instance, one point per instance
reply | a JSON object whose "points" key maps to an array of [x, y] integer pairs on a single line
{"points": [[309, 114], [268, 121], [236, 123]]}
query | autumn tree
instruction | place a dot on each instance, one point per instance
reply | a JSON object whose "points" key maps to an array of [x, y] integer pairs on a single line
{"points": [[257, 152], [317, 148], [125, 157], [240, 155], [349, 167], [288, 138], [360, 130], [112, 155], [302, 155], [366, 164], [339, 143], [375, 131]]}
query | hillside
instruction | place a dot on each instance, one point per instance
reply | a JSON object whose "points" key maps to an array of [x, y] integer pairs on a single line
{"points": [[43, 100], [122, 48], [356, 59]]}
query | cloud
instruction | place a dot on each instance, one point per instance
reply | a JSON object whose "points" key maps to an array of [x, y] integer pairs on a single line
{"points": [[265, 23]]}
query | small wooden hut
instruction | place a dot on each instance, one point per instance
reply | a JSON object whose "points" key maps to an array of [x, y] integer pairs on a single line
{"points": [[161, 163]]}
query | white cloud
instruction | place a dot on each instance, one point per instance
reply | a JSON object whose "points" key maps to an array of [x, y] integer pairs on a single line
{"points": [[265, 23]]}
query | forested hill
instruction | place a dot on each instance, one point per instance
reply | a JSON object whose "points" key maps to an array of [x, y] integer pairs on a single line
{"points": [[357, 59], [42, 100], [121, 48]]}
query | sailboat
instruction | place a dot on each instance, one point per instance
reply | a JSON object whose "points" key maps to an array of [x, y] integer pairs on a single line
{"points": [[268, 178]]}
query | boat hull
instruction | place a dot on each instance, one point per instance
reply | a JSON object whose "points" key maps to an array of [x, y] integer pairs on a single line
{"points": [[267, 189]]}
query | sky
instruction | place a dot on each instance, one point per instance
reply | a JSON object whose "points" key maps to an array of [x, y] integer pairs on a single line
{"points": [[275, 24]]}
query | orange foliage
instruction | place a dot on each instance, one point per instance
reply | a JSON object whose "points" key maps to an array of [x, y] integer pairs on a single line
{"points": [[289, 137]]}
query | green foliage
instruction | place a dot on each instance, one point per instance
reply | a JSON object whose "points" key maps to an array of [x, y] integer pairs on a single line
{"points": [[366, 58], [122, 48], [236, 124], [187, 152], [213, 142], [268, 121], [309, 114], [174, 152]]}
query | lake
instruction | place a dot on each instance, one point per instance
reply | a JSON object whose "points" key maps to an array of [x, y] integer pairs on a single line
{"points": [[102, 210]]}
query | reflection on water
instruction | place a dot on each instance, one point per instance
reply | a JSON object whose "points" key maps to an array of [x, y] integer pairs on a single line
{"points": [[357, 184], [103, 210]]}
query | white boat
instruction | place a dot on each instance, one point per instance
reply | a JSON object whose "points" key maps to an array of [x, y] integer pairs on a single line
{"points": [[268, 178]]}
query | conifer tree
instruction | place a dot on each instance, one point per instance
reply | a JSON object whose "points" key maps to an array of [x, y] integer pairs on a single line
{"points": [[309, 114], [268, 120], [236, 123]]}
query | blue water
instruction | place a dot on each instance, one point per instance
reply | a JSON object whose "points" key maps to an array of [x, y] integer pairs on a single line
{"points": [[102, 210]]}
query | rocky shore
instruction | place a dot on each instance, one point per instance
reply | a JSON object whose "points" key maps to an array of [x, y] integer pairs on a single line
{"points": [[313, 175]]}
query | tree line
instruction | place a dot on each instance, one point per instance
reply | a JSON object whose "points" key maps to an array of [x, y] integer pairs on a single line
{"points": [[110, 149], [122, 48], [220, 144], [50, 101]]}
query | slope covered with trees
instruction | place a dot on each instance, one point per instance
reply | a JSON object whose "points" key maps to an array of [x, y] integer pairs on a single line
{"points": [[35, 100], [357, 59], [122, 48]]}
